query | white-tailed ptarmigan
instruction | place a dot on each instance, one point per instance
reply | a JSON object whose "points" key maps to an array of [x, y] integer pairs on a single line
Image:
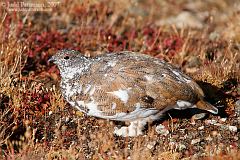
{"points": [[126, 86]]}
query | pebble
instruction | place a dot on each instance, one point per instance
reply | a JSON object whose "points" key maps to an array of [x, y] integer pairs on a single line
{"points": [[181, 147], [201, 128], [65, 119], [184, 137], [172, 145], [214, 133], [161, 129], [211, 121], [218, 124], [194, 141], [232, 128], [236, 138], [209, 138], [223, 119], [64, 128], [229, 127], [225, 127], [237, 108], [50, 112], [182, 130], [151, 145], [214, 36], [199, 116]]}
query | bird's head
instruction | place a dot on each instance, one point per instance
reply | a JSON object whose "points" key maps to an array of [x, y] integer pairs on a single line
{"points": [[69, 61], [66, 57]]}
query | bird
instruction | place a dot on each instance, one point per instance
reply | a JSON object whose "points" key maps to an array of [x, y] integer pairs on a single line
{"points": [[126, 86]]}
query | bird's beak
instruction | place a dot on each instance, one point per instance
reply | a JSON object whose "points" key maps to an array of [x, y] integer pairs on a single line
{"points": [[52, 59]]}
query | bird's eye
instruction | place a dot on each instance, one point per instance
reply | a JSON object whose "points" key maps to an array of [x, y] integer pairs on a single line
{"points": [[66, 57]]}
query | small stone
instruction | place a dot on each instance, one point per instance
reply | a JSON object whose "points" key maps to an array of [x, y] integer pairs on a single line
{"points": [[172, 144], [182, 147], [236, 138], [183, 137], [209, 138], [232, 128], [194, 141], [50, 112], [218, 124], [67, 119], [161, 129], [175, 136], [182, 130], [237, 108], [214, 36], [151, 145], [211, 121], [193, 122], [214, 133], [199, 116], [201, 128], [223, 119], [64, 128]]}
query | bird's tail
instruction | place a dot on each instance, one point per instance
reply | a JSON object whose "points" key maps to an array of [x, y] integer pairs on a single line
{"points": [[206, 106]]}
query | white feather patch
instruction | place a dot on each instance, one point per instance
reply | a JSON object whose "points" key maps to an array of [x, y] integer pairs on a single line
{"points": [[81, 103], [87, 89], [92, 90], [183, 104], [111, 63], [121, 94], [93, 109], [114, 105], [149, 77], [180, 77], [69, 73], [139, 112]]}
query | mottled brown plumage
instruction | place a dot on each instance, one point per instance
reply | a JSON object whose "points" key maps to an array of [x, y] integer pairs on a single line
{"points": [[126, 86]]}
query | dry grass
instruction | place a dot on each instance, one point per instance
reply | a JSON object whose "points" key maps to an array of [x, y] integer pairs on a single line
{"points": [[35, 121]]}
